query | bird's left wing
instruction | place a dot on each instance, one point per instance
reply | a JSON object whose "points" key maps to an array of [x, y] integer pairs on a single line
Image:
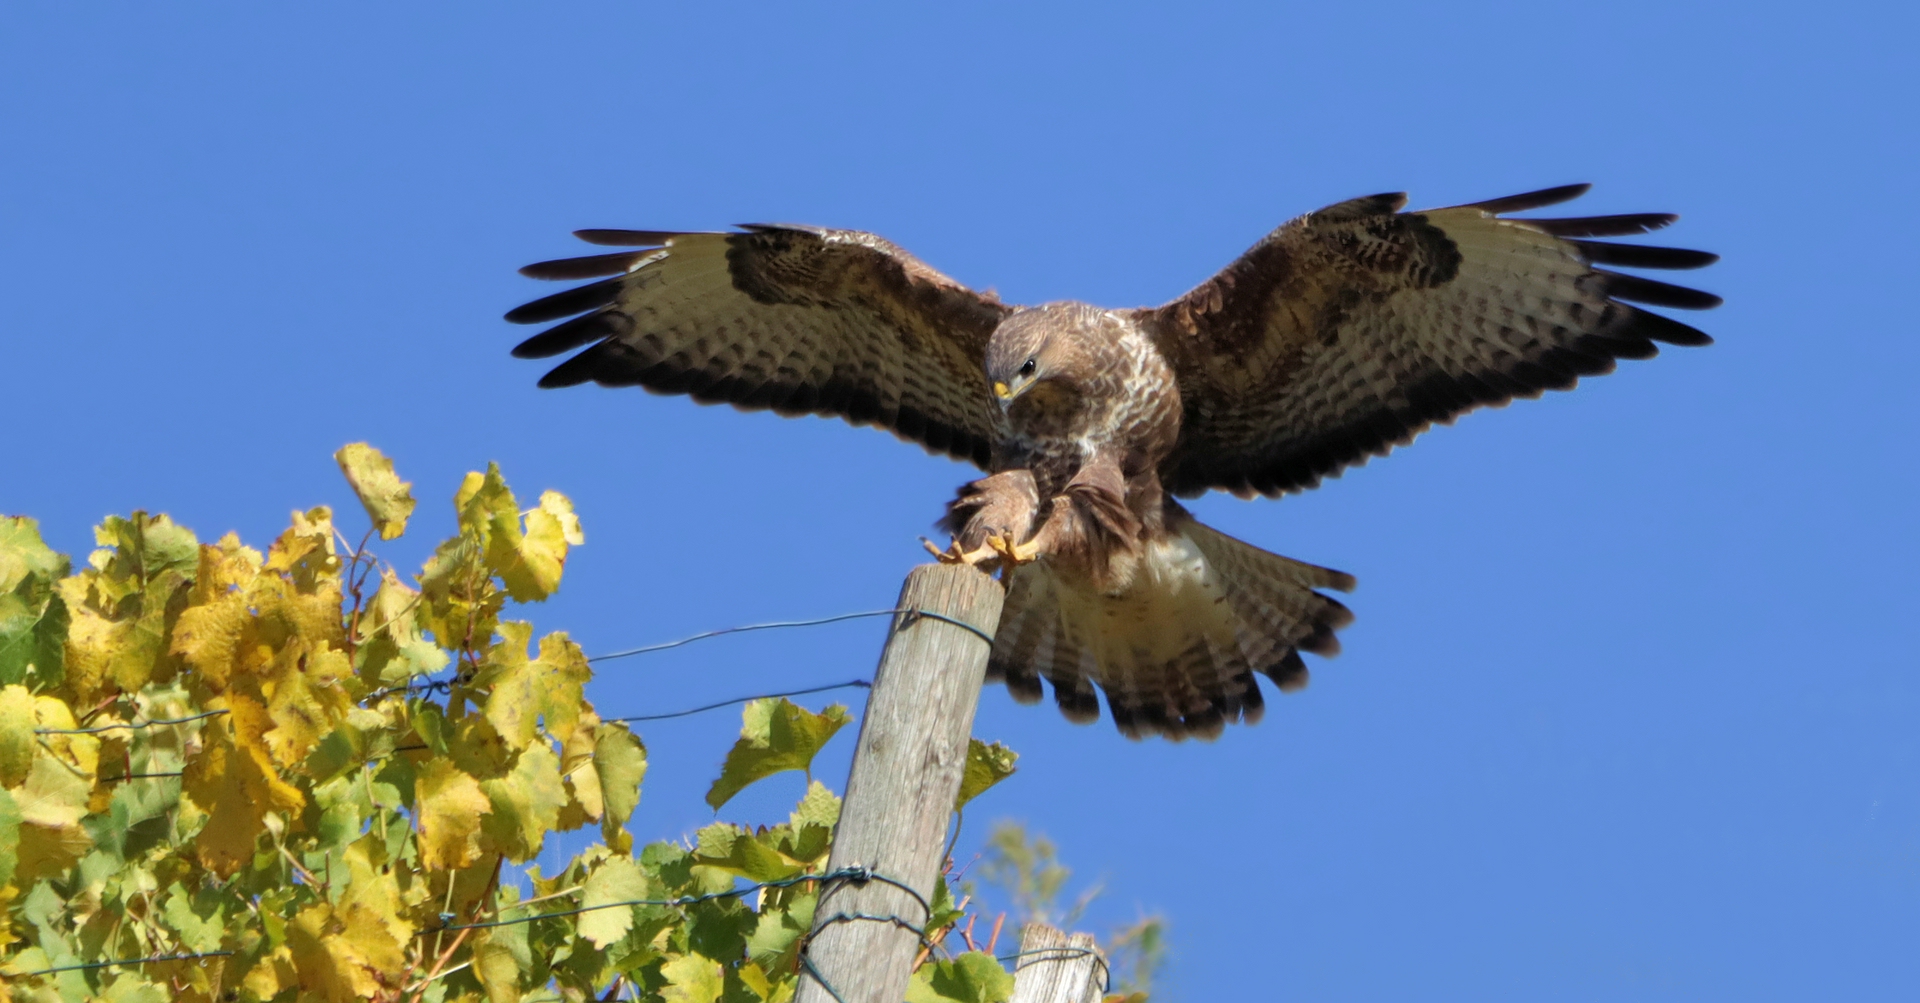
{"points": [[801, 320], [1350, 330]]}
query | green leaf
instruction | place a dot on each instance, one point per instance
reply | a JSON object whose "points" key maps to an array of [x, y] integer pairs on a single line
{"points": [[9, 837], [621, 761], [131, 987], [719, 928], [819, 807], [33, 617], [775, 943], [776, 736], [387, 499], [973, 977], [526, 804], [941, 912], [986, 765], [617, 880], [496, 964], [741, 852], [197, 932], [391, 648], [691, 979]]}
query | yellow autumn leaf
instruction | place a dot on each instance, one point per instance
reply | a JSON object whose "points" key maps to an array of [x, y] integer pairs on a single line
{"points": [[305, 552], [122, 605], [212, 637], [524, 691], [576, 766], [224, 566], [306, 700], [81, 752], [272, 974], [551, 529], [343, 957], [374, 889], [234, 780], [16, 735], [450, 804], [387, 499]]}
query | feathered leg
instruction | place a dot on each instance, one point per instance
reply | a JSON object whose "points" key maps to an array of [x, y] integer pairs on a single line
{"points": [[989, 518]]}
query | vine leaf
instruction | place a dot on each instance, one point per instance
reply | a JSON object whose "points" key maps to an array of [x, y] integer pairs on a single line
{"points": [[123, 605], [16, 735], [33, 617], [450, 803], [525, 692], [387, 499], [342, 956], [691, 978], [776, 735], [973, 977], [986, 765], [525, 803], [620, 760], [617, 880]]}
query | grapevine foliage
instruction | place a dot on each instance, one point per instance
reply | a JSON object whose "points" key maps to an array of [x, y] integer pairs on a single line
{"points": [[228, 774]]}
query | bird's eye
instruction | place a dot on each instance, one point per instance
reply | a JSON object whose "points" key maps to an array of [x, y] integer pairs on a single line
{"points": [[1027, 370]]}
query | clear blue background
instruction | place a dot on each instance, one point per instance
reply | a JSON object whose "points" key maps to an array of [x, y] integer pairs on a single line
{"points": [[1630, 708]]}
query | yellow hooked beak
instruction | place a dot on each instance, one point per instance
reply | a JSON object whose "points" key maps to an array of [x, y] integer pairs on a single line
{"points": [[1002, 391]]}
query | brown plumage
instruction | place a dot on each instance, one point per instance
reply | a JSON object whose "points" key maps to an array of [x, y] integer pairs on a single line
{"points": [[1342, 334]]}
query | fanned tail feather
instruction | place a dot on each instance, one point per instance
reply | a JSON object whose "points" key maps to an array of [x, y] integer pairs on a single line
{"points": [[1175, 651]]}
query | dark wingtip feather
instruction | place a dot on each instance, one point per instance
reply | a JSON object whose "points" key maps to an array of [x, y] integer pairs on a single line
{"points": [[1599, 252], [1603, 226], [1531, 200], [570, 373], [1661, 328], [1383, 204], [1321, 642], [572, 334], [627, 238], [590, 267], [565, 304], [1639, 290]]}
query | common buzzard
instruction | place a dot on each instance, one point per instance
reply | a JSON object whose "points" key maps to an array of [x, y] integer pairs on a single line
{"points": [[1342, 334]]}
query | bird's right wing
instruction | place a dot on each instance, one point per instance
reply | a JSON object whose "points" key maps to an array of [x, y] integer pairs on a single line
{"points": [[800, 320]]}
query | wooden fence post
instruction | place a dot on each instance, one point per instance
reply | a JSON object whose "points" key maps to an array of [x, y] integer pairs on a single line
{"points": [[900, 792], [1056, 968]]}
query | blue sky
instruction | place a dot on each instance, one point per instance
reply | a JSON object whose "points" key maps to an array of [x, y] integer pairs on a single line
{"points": [[1630, 707]]}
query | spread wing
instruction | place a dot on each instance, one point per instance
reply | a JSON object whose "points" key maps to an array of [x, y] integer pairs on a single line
{"points": [[1348, 331], [800, 320]]}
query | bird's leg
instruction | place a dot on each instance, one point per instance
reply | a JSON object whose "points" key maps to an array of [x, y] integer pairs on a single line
{"points": [[995, 508]]}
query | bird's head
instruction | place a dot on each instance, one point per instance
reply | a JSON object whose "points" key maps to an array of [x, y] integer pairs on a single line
{"points": [[1034, 358]]}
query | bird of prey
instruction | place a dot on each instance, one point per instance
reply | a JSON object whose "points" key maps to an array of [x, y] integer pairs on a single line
{"points": [[1340, 335]]}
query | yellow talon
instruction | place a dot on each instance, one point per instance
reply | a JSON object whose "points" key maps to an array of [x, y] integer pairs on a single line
{"points": [[1013, 555], [954, 555]]}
